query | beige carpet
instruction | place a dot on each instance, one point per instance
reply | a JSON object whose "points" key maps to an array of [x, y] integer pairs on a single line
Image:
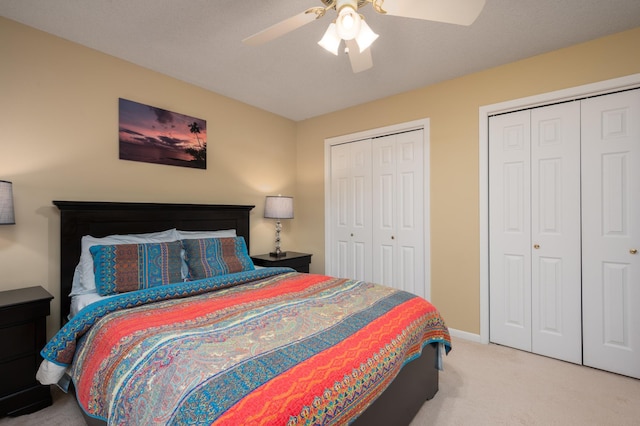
{"points": [[496, 385], [483, 385]]}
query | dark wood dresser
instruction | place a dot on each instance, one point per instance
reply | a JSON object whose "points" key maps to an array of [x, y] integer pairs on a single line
{"points": [[298, 261], [23, 333]]}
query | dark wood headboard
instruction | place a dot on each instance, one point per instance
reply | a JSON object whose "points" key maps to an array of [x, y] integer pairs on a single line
{"points": [[99, 219]]}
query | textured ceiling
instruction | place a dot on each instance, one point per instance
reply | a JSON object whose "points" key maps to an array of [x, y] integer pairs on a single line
{"points": [[200, 42]]}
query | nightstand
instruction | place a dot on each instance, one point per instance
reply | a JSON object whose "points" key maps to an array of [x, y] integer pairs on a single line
{"points": [[298, 261], [23, 333]]}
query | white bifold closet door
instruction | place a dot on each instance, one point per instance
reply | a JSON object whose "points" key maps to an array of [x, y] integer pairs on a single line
{"points": [[534, 199], [611, 232], [377, 212], [564, 200]]}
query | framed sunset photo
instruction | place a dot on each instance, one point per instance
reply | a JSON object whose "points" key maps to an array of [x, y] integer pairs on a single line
{"points": [[155, 135]]}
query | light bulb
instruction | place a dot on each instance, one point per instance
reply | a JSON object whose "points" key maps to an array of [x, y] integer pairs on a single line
{"points": [[348, 23]]}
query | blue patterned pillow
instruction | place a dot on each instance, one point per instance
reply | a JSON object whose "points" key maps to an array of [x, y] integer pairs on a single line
{"points": [[128, 267], [210, 257]]}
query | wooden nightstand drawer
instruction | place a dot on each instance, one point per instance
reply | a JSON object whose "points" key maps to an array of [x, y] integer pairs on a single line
{"points": [[298, 261], [26, 401], [14, 374], [23, 310], [22, 339], [23, 323]]}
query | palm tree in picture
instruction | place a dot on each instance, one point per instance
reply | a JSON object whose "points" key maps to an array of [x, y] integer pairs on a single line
{"points": [[195, 129], [199, 154]]}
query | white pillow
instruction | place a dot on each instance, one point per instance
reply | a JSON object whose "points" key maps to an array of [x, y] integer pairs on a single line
{"points": [[80, 301], [84, 280], [197, 235]]}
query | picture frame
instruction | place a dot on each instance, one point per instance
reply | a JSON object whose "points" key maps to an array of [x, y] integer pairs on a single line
{"points": [[155, 135]]}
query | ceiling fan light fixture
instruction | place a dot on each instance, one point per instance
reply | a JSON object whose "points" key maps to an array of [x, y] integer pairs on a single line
{"points": [[348, 22], [330, 40], [365, 37]]}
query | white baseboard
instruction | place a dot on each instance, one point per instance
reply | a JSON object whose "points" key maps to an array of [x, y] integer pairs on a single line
{"points": [[465, 335]]}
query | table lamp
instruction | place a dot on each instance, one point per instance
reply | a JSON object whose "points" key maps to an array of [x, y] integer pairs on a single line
{"points": [[278, 208]]}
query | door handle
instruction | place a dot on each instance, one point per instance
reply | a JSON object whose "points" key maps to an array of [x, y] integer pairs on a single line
{"points": [[536, 246], [633, 251]]}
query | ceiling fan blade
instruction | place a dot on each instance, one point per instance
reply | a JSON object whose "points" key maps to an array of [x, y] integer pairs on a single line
{"points": [[461, 12], [360, 61], [282, 27]]}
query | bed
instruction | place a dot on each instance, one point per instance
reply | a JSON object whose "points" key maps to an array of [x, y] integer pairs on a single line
{"points": [[384, 374]]}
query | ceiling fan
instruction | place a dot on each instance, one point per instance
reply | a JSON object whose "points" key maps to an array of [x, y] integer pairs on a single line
{"points": [[350, 26]]}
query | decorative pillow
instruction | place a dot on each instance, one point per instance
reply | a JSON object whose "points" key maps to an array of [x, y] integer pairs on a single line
{"points": [[195, 235], [83, 279], [128, 267], [210, 257]]}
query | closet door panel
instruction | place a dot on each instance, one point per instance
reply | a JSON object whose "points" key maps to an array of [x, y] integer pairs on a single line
{"points": [[398, 211], [351, 212], [360, 210], [611, 232], [385, 264], [385, 220], [410, 232], [510, 230], [340, 193], [555, 232]]}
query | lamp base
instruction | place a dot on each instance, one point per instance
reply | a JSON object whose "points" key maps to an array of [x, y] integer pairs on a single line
{"points": [[278, 254]]}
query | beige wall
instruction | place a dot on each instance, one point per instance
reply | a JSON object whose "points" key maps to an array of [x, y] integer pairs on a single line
{"points": [[452, 107], [59, 141]]}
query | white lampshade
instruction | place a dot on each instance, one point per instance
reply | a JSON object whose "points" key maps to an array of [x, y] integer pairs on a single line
{"points": [[331, 41], [7, 216], [365, 37], [278, 207]]}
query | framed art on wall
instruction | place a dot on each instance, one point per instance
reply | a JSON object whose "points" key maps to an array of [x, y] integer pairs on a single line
{"points": [[155, 135]]}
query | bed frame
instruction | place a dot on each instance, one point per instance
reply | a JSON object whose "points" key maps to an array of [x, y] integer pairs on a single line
{"points": [[416, 382]]}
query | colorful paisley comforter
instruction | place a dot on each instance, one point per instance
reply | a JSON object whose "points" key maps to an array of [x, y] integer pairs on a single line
{"points": [[267, 347]]}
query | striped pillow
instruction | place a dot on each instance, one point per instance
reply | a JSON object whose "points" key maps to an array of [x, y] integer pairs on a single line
{"points": [[128, 267], [210, 257]]}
